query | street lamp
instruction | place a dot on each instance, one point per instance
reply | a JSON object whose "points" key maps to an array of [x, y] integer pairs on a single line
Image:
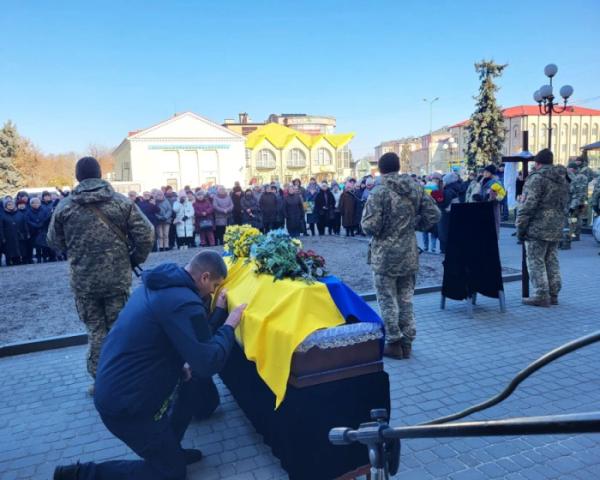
{"points": [[545, 99], [430, 130]]}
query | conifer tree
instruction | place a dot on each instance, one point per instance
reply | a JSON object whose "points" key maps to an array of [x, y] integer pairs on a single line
{"points": [[10, 178], [486, 126]]}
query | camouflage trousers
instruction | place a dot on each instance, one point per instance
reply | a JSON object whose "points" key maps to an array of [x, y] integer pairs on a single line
{"points": [[394, 296], [575, 223], [98, 314], [544, 271]]}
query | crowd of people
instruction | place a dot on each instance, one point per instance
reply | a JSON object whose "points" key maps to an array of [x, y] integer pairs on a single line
{"points": [[196, 217]]}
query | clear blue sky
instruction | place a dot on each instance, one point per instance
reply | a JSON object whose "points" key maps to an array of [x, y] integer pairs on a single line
{"points": [[72, 74]]}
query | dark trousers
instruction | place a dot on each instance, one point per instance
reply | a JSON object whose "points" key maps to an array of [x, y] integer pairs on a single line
{"points": [[219, 234], [158, 443], [322, 223], [336, 223]]}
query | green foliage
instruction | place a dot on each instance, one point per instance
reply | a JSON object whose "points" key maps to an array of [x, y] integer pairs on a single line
{"points": [[10, 178], [276, 254], [486, 127]]}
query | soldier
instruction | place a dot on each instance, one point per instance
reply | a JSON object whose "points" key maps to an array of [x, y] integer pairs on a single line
{"points": [[86, 225], [578, 200], [395, 209], [540, 220]]}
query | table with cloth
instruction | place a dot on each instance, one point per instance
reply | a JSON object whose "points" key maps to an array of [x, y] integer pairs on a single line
{"points": [[283, 319]]}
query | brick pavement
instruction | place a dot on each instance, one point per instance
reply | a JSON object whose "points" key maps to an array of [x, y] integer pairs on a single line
{"points": [[46, 418]]}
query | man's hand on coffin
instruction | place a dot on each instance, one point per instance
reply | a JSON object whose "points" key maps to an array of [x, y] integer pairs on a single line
{"points": [[187, 372], [222, 299], [234, 318]]}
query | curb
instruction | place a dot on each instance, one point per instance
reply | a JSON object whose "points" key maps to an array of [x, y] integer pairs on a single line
{"points": [[63, 341]]}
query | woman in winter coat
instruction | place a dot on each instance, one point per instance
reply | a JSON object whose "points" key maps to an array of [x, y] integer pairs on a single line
{"points": [[38, 220], [13, 232], [492, 191], [204, 219], [250, 210], [452, 190], [184, 219], [163, 218], [311, 215], [347, 207], [324, 208], [223, 207], [293, 208], [268, 209]]}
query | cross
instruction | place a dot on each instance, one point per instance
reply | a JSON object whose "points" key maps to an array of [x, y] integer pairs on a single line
{"points": [[524, 158]]}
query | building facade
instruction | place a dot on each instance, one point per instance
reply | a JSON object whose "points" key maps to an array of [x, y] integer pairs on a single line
{"points": [[309, 124], [571, 130], [278, 153], [186, 149]]}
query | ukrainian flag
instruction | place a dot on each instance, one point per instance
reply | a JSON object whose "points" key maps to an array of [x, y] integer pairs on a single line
{"points": [[281, 314]]}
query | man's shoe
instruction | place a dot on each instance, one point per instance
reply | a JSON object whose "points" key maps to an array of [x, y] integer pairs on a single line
{"points": [[536, 302], [406, 350], [553, 299], [393, 350], [66, 472], [192, 455]]}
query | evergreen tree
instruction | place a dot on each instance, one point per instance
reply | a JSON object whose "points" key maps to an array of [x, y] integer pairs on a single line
{"points": [[486, 127], [10, 178], [405, 164]]}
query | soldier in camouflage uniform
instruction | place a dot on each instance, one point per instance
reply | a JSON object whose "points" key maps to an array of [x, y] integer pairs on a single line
{"points": [[99, 260], [395, 209], [540, 220], [578, 199]]}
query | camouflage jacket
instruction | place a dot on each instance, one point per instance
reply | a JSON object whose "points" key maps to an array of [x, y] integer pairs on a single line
{"points": [[589, 173], [578, 191], [542, 213], [98, 258], [595, 200], [394, 210]]}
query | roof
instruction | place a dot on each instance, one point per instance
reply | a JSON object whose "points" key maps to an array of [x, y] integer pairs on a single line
{"points": [[533, 110], [592, 146], [280, 136]]}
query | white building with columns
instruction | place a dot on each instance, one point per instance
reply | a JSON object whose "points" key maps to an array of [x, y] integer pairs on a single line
{"points": [[186, 149]]}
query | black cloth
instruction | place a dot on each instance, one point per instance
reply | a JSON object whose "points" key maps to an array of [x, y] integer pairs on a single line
{"points": [[268, 207], [13, 233], [294, 213], [297, 431], [472, 262]]}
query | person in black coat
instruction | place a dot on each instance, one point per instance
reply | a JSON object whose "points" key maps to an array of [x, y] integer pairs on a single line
{"points": [[13, 233], [38, 220], [452, 191], [268, 208], [293, 207], [236, 198], [325, 209]]}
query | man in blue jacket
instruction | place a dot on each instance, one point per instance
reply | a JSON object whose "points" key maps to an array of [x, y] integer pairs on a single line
{"points": [[163, 339]]}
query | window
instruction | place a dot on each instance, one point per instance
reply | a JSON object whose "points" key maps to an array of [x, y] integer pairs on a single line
{"points": [[323, 157], [584, 134], [296, 158], [266, 159], [594, 133]]}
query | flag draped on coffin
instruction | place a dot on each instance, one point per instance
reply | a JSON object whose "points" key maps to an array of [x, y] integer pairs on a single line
{"points": [[281, 314]]}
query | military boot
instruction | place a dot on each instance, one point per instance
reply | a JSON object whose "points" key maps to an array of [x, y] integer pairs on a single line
{"points": [[553, 299], [406, 349], [537, 302], [393, 350]]}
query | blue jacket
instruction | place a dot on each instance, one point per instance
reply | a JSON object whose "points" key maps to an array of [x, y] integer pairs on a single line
{"points": [[164, 324]]}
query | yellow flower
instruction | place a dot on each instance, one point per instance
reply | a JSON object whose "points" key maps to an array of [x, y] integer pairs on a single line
{"points": [[297, 242]]}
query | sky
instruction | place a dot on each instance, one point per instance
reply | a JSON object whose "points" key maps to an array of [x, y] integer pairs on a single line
{"points": [[79, 73]]}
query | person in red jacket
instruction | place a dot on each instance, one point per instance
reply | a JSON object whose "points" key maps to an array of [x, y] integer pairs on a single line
{"points": [[204, 219]]}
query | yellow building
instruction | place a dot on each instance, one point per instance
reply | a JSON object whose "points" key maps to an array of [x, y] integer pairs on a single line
{"points": [[278, 153]]}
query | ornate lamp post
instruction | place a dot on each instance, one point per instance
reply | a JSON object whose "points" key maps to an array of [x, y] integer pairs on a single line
{"points": [[545, 99]]}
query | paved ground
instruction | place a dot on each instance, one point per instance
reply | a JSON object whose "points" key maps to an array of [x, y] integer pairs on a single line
{"points": [[46, 418]]}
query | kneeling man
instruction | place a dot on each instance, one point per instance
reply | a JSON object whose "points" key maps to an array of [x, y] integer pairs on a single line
{"points": [[163, 338]]}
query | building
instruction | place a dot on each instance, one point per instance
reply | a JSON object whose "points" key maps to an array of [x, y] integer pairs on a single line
{"points": [[571, 130], [309, 124], [404, 148], [244, 125], [277, 153], [186, 149], [430, 152]]}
